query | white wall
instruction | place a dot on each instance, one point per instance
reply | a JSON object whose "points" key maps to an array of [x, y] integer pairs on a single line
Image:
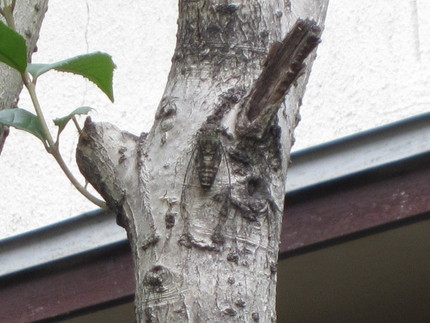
{"points": [[372, 69]]}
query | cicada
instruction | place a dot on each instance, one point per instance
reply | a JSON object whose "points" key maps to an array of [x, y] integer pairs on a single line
{"points": [[209, 151], [206, 188]]}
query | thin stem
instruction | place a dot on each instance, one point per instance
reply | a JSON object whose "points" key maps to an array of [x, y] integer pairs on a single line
{"points": [[32, 91], [75, 182], [77, 125]]}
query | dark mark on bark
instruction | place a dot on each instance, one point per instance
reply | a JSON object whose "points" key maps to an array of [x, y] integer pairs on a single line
{"points": [[150, 241], [157, 278], [229, 312], [170, 219], [256, 317], [240, 303]]}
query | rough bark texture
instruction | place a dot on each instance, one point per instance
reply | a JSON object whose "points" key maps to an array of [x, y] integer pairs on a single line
{"points": [[28, 15], [201, 195]]}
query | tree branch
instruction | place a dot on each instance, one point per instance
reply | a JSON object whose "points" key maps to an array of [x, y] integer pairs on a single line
{"points": [[107, 157], [283, 66]]}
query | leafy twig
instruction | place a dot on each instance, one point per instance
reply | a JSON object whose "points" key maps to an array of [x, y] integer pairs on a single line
{"points": [[14, 53]]}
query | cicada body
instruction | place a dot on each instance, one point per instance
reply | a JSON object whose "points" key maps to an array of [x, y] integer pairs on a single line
{"points": [[208, 157]]}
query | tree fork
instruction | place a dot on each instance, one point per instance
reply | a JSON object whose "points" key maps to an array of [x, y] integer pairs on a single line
{"points": [[208, 252]]}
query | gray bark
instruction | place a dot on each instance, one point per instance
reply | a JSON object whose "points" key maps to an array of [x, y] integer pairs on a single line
{"points": [[201, 195], [28, 15]]}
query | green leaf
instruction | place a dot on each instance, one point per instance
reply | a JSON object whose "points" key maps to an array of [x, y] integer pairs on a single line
{"points": [[13, 50], [97, 67], [62, 122], [24, 120]]}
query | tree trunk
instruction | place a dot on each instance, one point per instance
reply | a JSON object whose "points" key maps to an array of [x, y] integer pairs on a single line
{"points": [[28, 16], [201, 195]]}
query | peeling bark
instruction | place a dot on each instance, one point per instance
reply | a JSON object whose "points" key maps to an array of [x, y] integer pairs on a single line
{"points": [[201, 194], [28, 16], [283, 66]]}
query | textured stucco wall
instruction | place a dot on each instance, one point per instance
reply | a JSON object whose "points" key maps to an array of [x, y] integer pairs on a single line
{"points": [[372, 69]]}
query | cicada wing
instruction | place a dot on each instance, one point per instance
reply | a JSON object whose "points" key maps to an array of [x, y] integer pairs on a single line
{"points": [[189, 186]]}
